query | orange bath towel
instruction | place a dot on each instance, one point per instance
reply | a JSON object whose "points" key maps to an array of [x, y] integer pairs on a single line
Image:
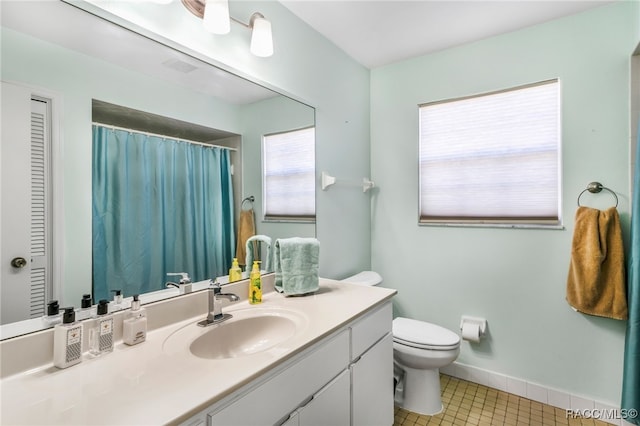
{"points": [[596, 282], [246, 229]]}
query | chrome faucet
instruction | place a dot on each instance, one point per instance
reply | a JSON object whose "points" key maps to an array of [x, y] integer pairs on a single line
{"points": [[185, 282], [215, 315]]}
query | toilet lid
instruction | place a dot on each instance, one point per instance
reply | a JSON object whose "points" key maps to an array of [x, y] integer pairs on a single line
{"points": [[422, 334]]}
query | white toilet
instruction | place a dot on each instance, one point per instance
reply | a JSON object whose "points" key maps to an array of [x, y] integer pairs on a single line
{"points": [[420, 349]]}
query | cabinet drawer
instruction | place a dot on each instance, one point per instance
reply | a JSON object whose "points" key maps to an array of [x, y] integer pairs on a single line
{"points": [[369, 329], [276, 398]]}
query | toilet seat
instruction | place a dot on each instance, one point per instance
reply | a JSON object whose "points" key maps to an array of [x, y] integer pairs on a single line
{"points": [[424, 335]]}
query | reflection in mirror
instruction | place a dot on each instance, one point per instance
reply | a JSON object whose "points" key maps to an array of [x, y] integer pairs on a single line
{"points": [[160, 203], [80, 63]]}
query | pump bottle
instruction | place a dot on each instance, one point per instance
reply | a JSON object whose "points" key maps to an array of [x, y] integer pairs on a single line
{"points": [[255, 284], [235, 273], [67, 340], [86, 308], [101, 332], [134, 328], [53, 316]]}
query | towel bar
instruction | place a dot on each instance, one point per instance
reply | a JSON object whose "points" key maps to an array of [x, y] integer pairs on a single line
{"points": [[250, 198], [596, 187]]}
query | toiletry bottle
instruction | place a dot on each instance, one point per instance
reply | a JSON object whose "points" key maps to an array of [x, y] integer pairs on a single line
{"points": [[101, 331], [67, 340], [117, 299], [86, 308], [255, 284], [235, 273], [53, 316], [134, 327]]}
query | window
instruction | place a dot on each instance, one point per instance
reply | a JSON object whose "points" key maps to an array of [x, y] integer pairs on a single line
{"points": [[492, 158], [288, 175]]}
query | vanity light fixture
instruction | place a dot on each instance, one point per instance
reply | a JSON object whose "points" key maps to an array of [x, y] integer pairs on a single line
{"points": [[216, 19]]}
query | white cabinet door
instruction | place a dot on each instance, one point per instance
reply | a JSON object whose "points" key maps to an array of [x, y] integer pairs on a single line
{"points": [[330, 406], [372, 385]]}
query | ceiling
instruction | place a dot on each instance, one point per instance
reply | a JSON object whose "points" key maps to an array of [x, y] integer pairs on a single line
{"points": [[380, 32], [75, 29]]}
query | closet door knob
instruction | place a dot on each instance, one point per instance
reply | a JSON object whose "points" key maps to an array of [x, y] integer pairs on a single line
{"points": [[19, 262]]}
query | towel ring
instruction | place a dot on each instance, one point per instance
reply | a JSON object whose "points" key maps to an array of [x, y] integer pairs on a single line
{"points": [[596, 187], [250, 198]]}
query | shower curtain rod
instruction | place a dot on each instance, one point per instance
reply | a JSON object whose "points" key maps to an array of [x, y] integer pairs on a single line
{"points": [[110, 126]]}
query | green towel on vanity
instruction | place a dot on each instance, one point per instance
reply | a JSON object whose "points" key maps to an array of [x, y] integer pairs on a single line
{"points": [[296, 265]]}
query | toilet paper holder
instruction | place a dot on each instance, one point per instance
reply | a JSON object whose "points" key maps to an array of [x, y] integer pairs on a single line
{"points": [[481, 322]]}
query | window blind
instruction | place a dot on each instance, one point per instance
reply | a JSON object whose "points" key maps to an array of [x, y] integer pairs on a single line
{"points": [[289, 175], [492, 158]]}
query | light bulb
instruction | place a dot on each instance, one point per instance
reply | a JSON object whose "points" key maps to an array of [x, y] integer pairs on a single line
{"points": [[261, 37], [216, 17]]}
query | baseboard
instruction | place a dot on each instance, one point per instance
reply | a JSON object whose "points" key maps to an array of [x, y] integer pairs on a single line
{"points": [[536, 392]]}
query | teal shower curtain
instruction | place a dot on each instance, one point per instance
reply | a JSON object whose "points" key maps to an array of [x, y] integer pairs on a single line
{"points": [[159, 206], [631, 378]]}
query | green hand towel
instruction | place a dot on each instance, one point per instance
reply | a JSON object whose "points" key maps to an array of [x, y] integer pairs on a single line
{"points": [[254, 250], [296, 265]]}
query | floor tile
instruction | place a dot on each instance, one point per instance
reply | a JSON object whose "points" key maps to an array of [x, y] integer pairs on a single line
{"points": [[467, 403]]}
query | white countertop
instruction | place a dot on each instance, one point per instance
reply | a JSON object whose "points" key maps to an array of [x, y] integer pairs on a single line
{"points": [[152, 384]]}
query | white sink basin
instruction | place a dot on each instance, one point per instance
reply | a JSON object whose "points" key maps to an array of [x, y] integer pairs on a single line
{"points": [[249, 331]]}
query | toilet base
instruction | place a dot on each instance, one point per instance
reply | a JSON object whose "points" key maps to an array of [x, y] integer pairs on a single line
{"points": [[419, 391]]}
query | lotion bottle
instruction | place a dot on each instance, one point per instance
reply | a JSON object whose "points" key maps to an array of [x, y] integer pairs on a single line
{"points": [[67, 340], [134, 327], [235, 273], [86, 308], [53, 316], [117, 299], [101, 332], [255, 284]]}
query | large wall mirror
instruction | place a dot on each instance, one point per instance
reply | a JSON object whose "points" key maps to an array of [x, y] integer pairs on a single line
{"points": [[91, 70]]}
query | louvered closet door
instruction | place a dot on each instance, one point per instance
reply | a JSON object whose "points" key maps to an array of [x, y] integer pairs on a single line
{"points": [[24, 219]]}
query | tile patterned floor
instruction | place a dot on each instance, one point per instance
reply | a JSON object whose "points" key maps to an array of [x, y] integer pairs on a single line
{"points": [[469, 403]]}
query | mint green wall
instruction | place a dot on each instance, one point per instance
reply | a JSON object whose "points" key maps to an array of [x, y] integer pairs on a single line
{"points": [[262, 118], [515, 278], [78, 79], [311, 69]]}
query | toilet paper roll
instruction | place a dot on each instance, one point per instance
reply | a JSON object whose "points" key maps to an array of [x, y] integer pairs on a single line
{"points": [[471, 331]]}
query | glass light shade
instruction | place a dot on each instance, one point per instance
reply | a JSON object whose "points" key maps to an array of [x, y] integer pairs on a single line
{"points": [[261, 38], [216, 17]]}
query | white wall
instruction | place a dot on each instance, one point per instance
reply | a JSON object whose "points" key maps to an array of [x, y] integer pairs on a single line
{"points": [[515, 278]]}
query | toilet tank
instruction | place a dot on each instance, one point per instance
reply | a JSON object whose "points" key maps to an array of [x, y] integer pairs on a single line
{"points": [[370, 278]]}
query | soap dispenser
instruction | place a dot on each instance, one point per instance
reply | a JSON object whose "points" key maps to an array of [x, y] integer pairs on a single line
{"points": [[255, 284], [235, 273], [86, 308], [117, 299], [67, 340], [53, 316], [101, 331], [134, 327]]}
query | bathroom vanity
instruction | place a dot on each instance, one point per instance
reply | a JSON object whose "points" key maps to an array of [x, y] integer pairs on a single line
{"points": [[326, 358]]}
